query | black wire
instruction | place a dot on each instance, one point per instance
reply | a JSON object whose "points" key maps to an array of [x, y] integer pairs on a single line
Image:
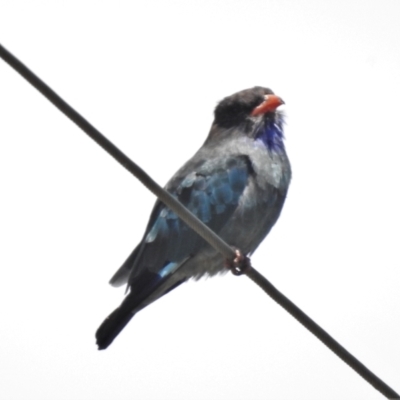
{"points": [[197, 225]]}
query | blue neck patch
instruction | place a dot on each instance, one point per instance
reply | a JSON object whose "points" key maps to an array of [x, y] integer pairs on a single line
{"points": [[271, 133]]}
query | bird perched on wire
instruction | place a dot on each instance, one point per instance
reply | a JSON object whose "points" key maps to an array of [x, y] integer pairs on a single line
{"points": [[236, 184]]}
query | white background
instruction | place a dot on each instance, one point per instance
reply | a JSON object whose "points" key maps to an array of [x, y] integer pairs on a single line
{"points": [[148, 74]]}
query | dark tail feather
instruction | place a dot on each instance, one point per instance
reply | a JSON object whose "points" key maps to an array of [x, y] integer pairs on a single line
{"points": [[146, 289], [112, 326], [145, 285]]}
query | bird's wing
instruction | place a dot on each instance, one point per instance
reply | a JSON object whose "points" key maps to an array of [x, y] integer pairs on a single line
{"points": [[211, 191]]}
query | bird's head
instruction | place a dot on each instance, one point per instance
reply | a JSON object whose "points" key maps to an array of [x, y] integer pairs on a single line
{"points": [[252, 112]]}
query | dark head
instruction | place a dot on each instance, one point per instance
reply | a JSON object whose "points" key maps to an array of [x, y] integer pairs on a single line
{"points": [[253, 112]]}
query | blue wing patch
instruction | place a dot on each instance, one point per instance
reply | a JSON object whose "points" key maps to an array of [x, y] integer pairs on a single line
{"points": [[212, 195], [170, 268]]}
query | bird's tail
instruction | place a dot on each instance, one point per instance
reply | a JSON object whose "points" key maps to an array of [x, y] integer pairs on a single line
{"points": [[148, 289], [147, 284], [113, 325]]}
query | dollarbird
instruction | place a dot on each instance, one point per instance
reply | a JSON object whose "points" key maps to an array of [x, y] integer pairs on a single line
{"points": [[236, 184]]}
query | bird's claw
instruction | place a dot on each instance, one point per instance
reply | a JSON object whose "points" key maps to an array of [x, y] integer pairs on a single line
{"points": [[239, 264]]}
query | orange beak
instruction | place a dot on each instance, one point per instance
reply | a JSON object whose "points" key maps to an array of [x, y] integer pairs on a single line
{"points": [[271, 103]]}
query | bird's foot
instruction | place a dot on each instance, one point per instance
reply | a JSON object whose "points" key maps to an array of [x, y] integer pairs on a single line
{"points": [[239, 264]]}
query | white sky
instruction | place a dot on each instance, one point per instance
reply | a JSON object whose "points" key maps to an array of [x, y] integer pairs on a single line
{"points": [[148, 75]]}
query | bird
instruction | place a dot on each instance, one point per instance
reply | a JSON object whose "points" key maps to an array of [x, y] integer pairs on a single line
{"points": [[236, 184]]}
